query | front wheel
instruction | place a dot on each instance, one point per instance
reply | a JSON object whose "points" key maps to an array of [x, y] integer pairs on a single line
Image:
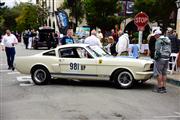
{"points": [[40, 76], [123, 79]]}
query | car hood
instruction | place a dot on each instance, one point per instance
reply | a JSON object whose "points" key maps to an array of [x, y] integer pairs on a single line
{"points": [[128, 59]]}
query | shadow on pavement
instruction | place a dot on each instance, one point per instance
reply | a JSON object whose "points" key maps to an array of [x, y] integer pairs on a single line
{"points": [[97, 83]]}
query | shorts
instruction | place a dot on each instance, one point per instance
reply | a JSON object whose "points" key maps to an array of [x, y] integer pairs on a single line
{"points": [[160, 67]]}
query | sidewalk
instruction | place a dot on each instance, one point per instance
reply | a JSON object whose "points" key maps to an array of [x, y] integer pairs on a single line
{"points": [[174, 78]]}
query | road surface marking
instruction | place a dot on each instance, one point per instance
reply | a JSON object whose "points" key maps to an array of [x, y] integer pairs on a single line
{"points": [[25, 81], [10, 73], [2, 71], [178, 113], [25, 84], [24, 78], [171, 116]]}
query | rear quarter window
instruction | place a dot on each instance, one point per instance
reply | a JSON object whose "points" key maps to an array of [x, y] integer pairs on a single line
{"points": [[50, 53]]}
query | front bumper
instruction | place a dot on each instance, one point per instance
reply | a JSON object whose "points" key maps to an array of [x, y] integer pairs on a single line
{"points": [[143, 75]]}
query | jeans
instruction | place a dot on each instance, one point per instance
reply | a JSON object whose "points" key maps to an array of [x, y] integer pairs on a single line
{"points": [[10, 53]]}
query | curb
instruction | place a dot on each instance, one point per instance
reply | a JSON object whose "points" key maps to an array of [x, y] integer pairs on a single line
{"points": [[173, 81]]}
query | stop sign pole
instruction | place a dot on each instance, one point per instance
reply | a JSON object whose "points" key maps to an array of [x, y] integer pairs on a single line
{"points": [[141, 20]]}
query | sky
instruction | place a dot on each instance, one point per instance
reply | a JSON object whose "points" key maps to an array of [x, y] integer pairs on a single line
{"points": [[11, 3]]}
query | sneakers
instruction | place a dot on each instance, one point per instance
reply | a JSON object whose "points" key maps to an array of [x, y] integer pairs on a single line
{"points": [[13, 68], [164, 90], [160, 90], [9, 68]]}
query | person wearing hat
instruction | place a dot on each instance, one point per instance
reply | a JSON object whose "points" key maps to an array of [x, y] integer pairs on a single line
{"points": [[174, 40], [161, 61], [174, 43]]}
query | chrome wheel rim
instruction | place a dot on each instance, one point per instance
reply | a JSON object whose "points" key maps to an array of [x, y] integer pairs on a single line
{"points": [[125, 79], [40, 75]]}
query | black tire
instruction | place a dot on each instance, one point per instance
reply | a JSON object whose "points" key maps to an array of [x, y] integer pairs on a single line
{"points": [[40, 76], [123, 79]]}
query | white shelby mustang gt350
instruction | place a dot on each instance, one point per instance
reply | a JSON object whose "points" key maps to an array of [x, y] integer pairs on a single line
{"points": [[84, 62]]}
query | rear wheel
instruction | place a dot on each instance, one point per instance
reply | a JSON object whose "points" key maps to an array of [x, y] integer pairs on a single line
{"points": [[123, 79], [40, 76]]}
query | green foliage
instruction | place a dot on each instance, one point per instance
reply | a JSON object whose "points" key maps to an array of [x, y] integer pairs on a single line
{"points": [[77, 10], [100, 13], [7, 20], [22, 16], [31, 16], [157, 10]]}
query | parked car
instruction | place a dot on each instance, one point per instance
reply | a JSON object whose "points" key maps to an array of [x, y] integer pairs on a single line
{"points": [[45, 38], [84, 62]]}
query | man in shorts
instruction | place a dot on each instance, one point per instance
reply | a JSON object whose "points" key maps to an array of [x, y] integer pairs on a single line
{"points": [[160, 63]]}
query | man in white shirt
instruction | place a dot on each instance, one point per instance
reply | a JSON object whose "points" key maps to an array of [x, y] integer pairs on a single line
{"points": [[122, 45], [8, 44], [93, 40]]}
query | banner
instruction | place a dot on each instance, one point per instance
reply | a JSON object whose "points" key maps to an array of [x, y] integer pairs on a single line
{"points": [[125, 7], [82, 31], [62, 21]]}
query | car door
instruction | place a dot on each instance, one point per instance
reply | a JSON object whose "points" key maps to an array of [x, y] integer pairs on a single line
{"points": [[77, 62]]}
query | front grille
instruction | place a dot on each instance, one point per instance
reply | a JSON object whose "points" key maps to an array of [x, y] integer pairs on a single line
{"points": [[152, 66]]}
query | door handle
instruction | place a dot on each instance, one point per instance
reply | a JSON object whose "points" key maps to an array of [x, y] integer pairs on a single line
{"points": [[61, 60]]}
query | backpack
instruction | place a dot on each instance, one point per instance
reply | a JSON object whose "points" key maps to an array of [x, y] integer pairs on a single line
{"points": [[165, 49]]}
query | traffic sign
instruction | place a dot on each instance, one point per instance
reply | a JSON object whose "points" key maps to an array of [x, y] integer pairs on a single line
{"points": [[141, 20]]}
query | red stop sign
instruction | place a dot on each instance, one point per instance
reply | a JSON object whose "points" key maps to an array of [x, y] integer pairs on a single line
{"points": [[141, 20]]}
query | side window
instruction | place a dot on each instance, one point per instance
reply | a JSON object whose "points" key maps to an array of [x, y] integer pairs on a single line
{"points": [[50, 53], [83, 53], [68, 53]]}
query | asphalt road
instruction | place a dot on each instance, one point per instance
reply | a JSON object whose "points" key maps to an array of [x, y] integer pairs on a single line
{"points": [[20, 99]]}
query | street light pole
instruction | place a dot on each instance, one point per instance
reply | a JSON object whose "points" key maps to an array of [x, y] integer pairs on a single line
{"points": [[178, 18]]}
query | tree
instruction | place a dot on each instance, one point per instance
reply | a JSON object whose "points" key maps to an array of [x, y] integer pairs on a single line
{"points": [[7, 17], [22, 16], [2, 20], [31, 16], [158, 10], [76, 8], [100, 13]]}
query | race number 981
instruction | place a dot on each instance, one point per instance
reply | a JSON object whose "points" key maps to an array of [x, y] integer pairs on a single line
{"points": [[74, 66]]}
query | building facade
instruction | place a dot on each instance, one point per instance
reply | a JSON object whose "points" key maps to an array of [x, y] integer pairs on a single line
{"points": [[51, 6]]}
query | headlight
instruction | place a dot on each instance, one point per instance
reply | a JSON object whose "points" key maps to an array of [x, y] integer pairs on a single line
{"points": [[147, 67]]}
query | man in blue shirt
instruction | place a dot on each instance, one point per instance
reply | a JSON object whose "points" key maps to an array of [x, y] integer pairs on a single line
{"points": [[135, 49], [68, 38]]}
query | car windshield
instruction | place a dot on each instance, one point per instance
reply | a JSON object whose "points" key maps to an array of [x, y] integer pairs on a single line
{"points": [[97, 51]]}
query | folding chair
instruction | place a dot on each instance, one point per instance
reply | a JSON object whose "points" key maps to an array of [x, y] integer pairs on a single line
{"points": [[173, 62]]}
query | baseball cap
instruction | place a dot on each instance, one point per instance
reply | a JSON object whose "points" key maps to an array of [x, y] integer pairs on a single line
{"points": [[169, 29], [157, 32]]}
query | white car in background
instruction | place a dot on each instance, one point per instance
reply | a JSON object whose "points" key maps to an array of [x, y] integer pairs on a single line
{"points": [[84, 62]]}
